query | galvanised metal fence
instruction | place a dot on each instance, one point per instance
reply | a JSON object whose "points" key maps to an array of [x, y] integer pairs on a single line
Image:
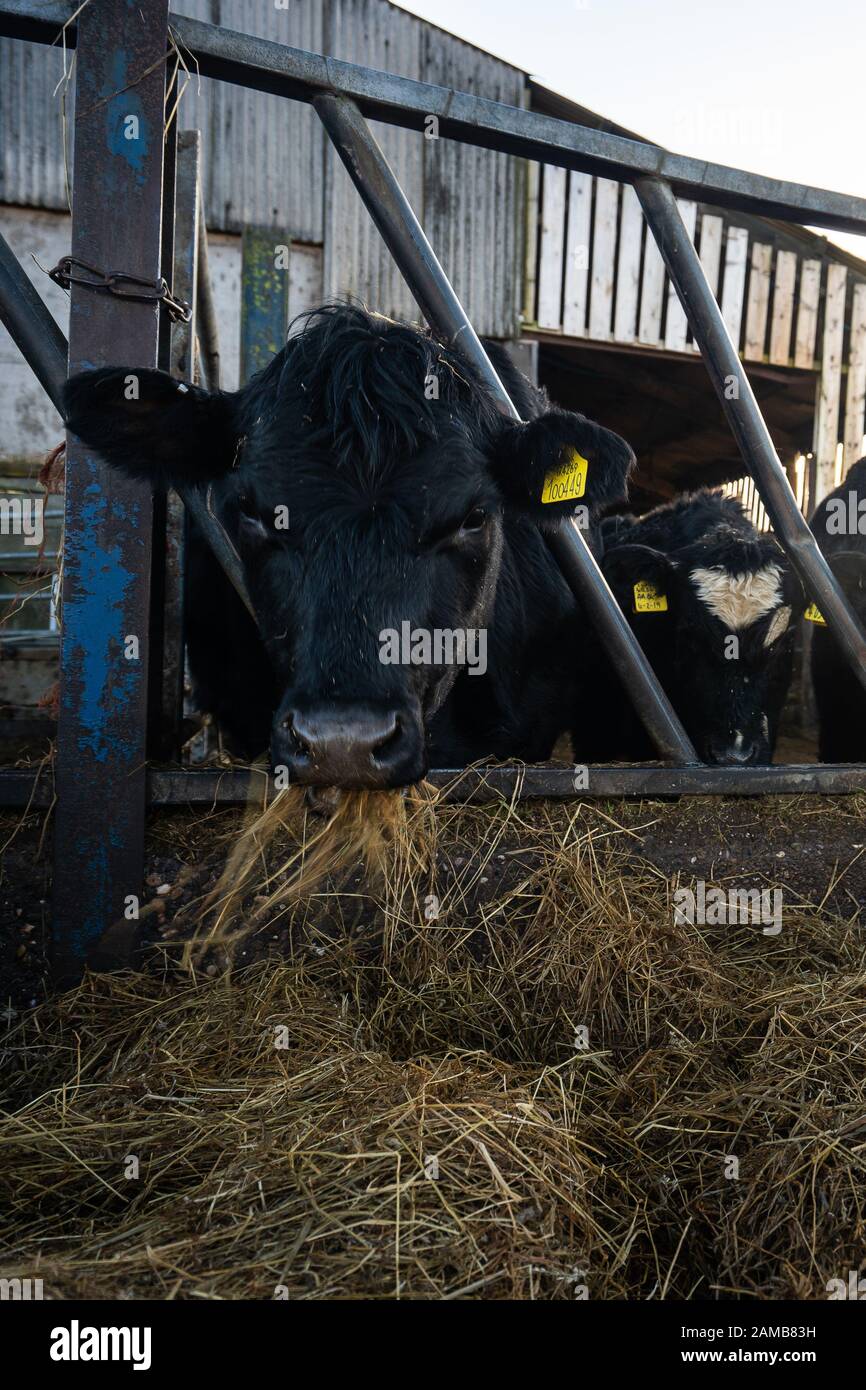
{"points": [[118, 570]]}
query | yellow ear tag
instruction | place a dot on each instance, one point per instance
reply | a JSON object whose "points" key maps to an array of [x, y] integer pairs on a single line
{"points": [[647, 598], [812, 615], [568, 480]]}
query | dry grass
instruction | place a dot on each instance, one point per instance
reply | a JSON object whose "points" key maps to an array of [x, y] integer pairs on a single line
{"points": [[427, 1127]]}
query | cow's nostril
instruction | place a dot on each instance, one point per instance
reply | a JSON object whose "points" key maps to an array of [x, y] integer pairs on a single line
{"points": [[299, 744], [386, 743], [350, 744]]}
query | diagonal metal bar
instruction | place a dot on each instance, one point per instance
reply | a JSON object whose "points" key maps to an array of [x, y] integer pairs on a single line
{"points": [[749, 428], [266, 66], [405, 239], [31, 326]]}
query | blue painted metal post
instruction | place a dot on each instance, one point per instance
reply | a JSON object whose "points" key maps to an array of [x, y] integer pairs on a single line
{"points": [[117, 212]]}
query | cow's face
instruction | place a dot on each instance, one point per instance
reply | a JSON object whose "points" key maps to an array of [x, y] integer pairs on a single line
{"points": [[364, 478], [722, 641]]}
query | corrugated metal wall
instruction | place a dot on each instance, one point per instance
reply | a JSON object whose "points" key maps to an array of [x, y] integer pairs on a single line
{"points": [[262, 155], [267, 161]]}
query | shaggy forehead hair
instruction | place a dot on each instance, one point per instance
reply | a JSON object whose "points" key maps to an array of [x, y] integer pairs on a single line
{"points": [[360, 386], [739, 600]]}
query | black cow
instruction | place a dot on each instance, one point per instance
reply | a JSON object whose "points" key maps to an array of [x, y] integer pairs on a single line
{"points": [[369, 482], [839, 526], [712, 602]]}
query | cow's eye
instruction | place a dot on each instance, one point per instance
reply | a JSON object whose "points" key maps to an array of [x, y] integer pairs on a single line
{"points": [[473, 521]]}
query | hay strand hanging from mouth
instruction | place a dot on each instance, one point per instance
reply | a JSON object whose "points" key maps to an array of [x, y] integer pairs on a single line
{"points": [[284, 853]]}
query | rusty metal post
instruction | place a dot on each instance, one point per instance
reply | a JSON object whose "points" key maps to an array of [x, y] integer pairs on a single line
{"points": [[117, 224]]}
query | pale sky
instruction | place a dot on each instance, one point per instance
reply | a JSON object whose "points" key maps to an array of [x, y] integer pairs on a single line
{"points": [[775, 86]]}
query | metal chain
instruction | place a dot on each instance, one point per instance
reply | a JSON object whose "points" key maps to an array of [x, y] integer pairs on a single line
{"points": [[113, 282]]}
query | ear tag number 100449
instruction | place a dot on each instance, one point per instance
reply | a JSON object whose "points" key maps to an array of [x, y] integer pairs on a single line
{"points": [[567, 482]]}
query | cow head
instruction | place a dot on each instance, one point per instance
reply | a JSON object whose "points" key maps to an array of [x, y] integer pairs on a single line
{"points": [[717, 620], [364, 477]]}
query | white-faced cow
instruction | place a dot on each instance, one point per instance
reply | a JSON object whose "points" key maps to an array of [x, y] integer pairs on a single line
{"points": [[839, 526], [382, 506], [713, 603]]}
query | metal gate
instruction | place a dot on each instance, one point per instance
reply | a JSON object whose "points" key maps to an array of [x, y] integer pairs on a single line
{"points": [[120, 574]]}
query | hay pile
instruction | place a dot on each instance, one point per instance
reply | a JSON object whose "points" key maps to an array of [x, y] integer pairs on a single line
{"points": [[406, 1106]]}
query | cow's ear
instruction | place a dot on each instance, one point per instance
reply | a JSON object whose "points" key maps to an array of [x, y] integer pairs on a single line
{"points": [[150, 425], [849, 567], [560, 461], [644, 580]]}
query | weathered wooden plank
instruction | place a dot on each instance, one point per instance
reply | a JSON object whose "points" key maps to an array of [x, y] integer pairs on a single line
{"points": [[264, 297], [712, 229], [628, 267], [807, 314], [101, 745], [552, 247], [530, 273], [734, 283], [782, 319], [603, 257], [830, 382], [577, 254], [855, 396], [759, 301], [651, 293], [676, 326]]}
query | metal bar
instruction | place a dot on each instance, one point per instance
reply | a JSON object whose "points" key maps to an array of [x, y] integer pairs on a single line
{"points": [[732, 386], [31, 325], [207, 326], [490, 784], [234, 786], [101, 783], [183, 341], [158, 735], [270, 67], [405, 239]]}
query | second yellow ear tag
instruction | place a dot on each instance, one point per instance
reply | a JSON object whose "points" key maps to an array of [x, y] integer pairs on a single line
{"points": [[647, 598], [568, 480], [813, 615]]}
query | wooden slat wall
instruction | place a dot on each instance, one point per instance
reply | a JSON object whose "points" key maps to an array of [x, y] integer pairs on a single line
{"points": [[577, 254], [628, 267], [711, 249], [734, 283], [604, 247], [759, 301], [807, 313], [830, 385], [783, 308], [552, 247], [855, 398], [601, 277]]}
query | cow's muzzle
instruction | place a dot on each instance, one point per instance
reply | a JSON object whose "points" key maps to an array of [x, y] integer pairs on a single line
{"points": [[349, 744]]}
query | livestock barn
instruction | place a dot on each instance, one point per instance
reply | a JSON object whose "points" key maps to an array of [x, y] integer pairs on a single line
{"points": [[432, 664]]}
